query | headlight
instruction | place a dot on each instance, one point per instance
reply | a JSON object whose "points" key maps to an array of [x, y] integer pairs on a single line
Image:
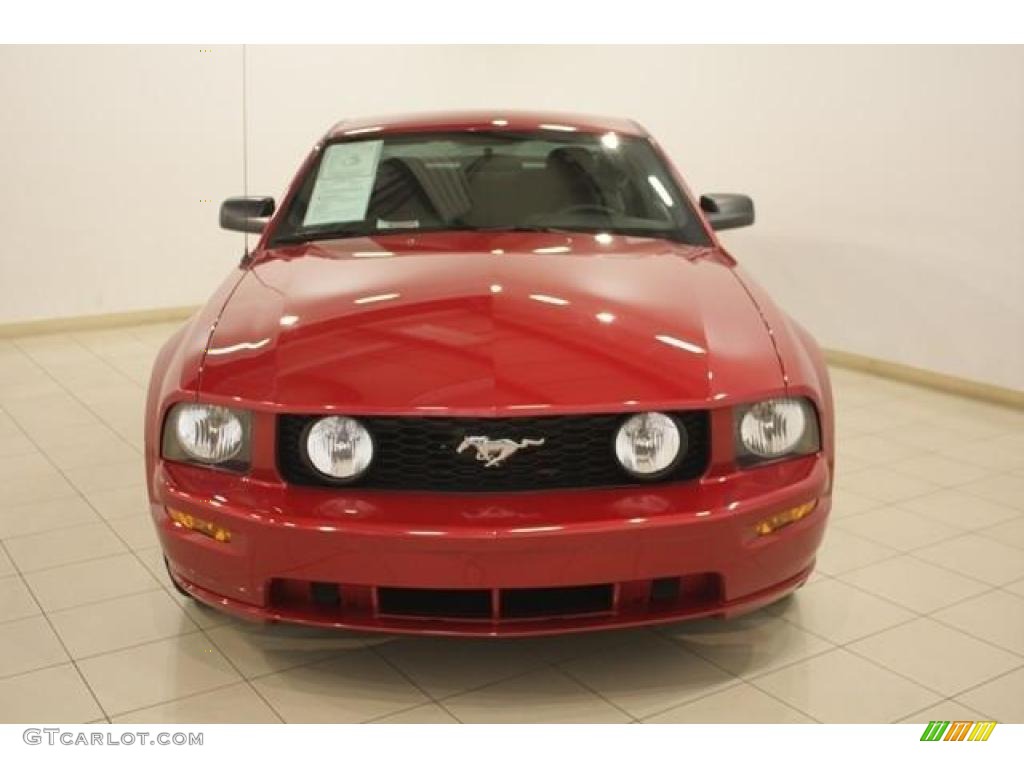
{"points": [[339, 447], [649, 444], [771, 429], [207, 434]]}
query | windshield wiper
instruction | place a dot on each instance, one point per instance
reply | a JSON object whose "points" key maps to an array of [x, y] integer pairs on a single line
{"points": [[332, 234], [583, 229], [344, 232], [514, 228], [324, 234]]}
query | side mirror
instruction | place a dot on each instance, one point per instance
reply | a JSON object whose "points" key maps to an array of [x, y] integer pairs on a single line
{"points": [[726, 211], [246, 214]]}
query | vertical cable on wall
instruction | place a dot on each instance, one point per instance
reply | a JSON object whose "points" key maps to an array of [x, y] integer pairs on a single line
{"points": [[245, 136], [245, 128]]}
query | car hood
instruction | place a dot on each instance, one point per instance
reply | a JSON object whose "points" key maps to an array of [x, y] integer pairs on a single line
{"points": [[490, 323]]}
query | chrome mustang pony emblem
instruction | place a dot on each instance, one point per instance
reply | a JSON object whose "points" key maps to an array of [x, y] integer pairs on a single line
{"points": [[493, 452]]}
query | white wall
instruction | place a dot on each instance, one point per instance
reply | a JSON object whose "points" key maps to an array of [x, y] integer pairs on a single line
{"points": [[889, 181], [113, 161]]}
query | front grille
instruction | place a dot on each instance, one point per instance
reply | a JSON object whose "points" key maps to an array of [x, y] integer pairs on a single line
{"points": [[419, 453]]}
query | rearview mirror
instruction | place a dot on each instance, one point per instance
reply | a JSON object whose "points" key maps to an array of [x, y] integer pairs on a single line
{"points": [[246, 214], [727, 211]]}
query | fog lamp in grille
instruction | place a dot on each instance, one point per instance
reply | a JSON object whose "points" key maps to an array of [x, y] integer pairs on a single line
{"points": [[784, 518], [648, 444]]}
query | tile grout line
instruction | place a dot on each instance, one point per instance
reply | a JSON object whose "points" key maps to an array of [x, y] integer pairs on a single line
{"points": [[947, 700], [89, 559], [955, 628], [65, 526], [917, 615], [736, 682], [106, 522], [959, 487], [60, 471], [910, 553], [959, 534], [988, 584], [749, 680], [837, 574], [413, 683], [56, 634], [856, 639], [560, 667], [120, 649], [44, 667], [920, 684], [759, 677], [557, 666], [70, 337], [838, 522], [179, 699], [983, 683], [244, 679], [936, 488], [833, 646], [80, 494], [71, 392], [275, 670], [919, 452], [380, 719], [88, 603], [542, 664], [845, 646], [988, 588]]}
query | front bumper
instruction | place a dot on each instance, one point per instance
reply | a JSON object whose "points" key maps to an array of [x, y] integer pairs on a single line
{"points": [[634, 541]]}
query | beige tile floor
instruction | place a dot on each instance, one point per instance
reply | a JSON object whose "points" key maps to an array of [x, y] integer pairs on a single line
{"points": [[916, 611]]}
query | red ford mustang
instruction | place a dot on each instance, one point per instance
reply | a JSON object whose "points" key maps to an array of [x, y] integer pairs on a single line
{"points": [[489, 374]]}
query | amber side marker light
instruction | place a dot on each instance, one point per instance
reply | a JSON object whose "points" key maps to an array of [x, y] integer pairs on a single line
{"points": [[197, 524], [784, 518]]}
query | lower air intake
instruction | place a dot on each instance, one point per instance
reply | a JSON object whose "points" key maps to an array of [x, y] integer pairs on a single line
{"points": [[556, 601], [450, 603]]}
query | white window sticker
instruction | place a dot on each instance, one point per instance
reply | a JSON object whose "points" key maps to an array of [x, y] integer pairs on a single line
{"points": [[343, 186]]}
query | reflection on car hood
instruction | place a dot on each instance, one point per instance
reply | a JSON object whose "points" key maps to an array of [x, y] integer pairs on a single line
{"points": [[490, 323]]}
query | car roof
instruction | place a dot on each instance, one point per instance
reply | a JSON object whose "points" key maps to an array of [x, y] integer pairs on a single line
{"points": [[491, 119]]}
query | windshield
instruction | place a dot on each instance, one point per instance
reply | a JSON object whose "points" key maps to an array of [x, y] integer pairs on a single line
{"points": [[480, 181]]}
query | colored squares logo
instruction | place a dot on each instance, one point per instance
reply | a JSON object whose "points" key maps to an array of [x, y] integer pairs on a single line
{"points": [[958, 730]]}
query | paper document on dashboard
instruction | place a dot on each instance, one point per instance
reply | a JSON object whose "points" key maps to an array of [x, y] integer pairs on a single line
{"points": [[343, 186]]}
